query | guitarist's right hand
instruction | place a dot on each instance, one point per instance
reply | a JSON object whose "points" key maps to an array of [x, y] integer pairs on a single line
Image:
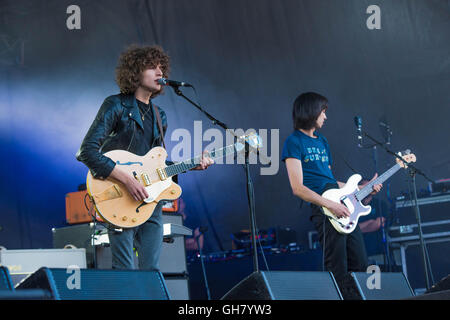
{"points": [[338, 209], [136, 189]]}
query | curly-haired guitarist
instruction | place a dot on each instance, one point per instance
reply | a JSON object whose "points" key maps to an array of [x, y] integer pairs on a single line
{"points": [[130, 121]]}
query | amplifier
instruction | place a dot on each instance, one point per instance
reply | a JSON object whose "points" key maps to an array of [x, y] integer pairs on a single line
{"points": [[76, 211], [21, 263], [439, 186], [431, 209], [173, 254], [80, 236], [431, 229]]}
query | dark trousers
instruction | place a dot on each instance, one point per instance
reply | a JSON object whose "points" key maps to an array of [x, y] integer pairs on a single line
{"points": [[146, 238], [343, 253]]}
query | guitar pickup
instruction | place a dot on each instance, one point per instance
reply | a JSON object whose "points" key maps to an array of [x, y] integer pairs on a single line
{"points": [[162, 174], [146, 179]]}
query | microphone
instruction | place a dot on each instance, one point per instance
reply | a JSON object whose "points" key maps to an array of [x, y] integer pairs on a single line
{"points": [[388, 131], [173, 83], [358, 123]]}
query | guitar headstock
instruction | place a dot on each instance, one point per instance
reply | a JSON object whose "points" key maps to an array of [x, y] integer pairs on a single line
{"points": [[407, 156], [253, 140]]}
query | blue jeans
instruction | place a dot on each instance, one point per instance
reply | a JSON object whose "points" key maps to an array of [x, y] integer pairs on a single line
{"points": [[146, 238]]}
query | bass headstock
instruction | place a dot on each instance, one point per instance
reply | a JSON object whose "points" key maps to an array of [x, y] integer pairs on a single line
{"points": [[407, 156]]}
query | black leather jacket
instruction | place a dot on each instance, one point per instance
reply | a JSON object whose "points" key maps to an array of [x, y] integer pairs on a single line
{"points": [[118, 125]]}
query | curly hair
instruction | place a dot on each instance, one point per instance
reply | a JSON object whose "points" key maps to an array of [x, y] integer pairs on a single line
{"points": [[134, 60]]}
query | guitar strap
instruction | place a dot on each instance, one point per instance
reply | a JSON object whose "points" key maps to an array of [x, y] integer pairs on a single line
{"points": [[158, 119]]}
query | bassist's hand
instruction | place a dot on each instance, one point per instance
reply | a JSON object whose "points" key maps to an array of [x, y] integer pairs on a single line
{"points": [[338, 209]]}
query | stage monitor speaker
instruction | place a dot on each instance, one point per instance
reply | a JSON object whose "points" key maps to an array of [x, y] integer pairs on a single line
{"points": [[286, 285], [435, 295], [439, 291], [5, 279], [392, 286], [441, 285], [96, 284], [29, 294]]}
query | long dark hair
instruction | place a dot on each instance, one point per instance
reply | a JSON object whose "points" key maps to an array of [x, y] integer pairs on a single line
{"points": [[307, 108]]}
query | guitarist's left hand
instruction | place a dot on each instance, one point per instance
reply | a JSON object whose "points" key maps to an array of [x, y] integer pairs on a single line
{"points": [[205, 162], [376, 189]]}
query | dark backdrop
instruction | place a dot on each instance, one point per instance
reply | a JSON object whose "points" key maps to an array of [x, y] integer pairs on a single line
{"points": [[248, 61]]}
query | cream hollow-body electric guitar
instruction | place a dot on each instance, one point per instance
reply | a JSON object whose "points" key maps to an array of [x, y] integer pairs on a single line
{"points": [[351, 196], [116, 205]]}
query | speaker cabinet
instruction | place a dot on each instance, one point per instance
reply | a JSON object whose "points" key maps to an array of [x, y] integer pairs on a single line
{"points": [[392, 286], [96, 284], [173, 254], [178, 287], [437, 295], [286, 285], [5, 279]]}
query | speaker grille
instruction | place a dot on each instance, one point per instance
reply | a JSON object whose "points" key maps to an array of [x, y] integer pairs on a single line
{"points": [[393, 285], [95, 284], [286, 285]]}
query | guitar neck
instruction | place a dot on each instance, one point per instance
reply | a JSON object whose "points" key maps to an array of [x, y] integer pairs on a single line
{"points": [[364, 192], [187, 165]]}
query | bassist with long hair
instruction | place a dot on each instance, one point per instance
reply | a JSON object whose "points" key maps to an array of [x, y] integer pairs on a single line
{"points": [[307, 156]]}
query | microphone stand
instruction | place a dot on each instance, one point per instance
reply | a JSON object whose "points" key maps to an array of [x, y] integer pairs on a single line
{"points": [[413, 171], [387, 260], [250, 194], [203, 264]]}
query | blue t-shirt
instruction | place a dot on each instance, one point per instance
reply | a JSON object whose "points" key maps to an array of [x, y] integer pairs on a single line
{"points": [[314, 153]]}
